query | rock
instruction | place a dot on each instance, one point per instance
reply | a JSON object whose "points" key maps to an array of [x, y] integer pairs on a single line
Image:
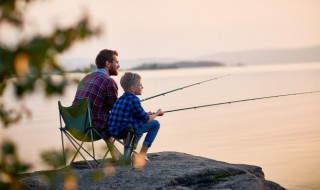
{"points": [[166, 170]]}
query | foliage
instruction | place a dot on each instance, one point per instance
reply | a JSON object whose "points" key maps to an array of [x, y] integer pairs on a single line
{"points": [[33, 60], [10, 167], [55, 159]]}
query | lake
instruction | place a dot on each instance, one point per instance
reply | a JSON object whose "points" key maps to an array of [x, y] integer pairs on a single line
{"points": [[281, 135]]}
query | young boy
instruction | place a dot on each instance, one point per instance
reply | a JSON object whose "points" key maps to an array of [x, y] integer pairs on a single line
{"points": [[128, 111]]}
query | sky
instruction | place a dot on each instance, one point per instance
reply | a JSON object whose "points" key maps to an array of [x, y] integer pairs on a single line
{"points": [[151, 30]]}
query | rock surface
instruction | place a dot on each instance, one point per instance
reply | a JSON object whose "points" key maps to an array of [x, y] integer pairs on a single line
{"points": [[166, 170]]}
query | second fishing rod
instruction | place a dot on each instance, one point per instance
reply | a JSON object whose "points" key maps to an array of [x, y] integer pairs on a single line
{"points": [[181, 88]]}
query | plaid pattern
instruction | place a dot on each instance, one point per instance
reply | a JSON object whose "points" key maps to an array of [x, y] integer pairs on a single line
{"points": [[102, 92], [126, 111]]}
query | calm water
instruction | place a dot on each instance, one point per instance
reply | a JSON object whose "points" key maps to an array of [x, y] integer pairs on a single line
{"points": [[282, 135]]}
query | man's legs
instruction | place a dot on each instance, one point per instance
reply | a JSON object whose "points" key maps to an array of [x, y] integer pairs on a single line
{"points": [[114, 154], [110, 144]]}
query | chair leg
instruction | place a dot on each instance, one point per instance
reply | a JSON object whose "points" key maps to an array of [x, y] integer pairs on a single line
{"points": [[128, 148], [78, 150], [64, 155], [81, 147], [123, 144], [93, 152], [111, 147], [115, 148]]}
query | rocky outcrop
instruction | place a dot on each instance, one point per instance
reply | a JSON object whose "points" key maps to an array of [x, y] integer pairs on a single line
{"points": [[166, 170]]}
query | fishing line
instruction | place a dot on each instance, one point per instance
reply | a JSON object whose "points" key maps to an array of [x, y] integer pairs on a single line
{"points": [[181, 88], [243, 100]]}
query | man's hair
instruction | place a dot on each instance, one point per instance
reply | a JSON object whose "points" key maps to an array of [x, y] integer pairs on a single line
{"points": [[103, 56], [129, 79]]}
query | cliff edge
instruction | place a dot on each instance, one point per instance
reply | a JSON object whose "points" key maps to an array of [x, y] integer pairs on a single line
{"points": [[166, 170]]}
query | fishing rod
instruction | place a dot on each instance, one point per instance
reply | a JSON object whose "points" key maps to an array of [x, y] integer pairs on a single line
{"points": [[243, 100], [181, 88]]}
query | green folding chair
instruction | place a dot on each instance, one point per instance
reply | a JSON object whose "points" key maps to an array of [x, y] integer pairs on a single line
{"points": [[79, 130]]}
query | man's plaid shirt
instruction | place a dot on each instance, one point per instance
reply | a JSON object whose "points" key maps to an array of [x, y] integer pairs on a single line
{"points": [[126, 111], [102, 92]]}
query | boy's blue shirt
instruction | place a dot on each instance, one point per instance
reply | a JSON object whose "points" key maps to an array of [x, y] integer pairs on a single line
{"points": [[126, 111]]}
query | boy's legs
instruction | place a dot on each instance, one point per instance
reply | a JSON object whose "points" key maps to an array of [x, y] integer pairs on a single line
{"points": [[151, 129]]}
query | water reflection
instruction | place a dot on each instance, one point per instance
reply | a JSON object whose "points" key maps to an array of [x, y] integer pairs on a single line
{"points": [[281, 135]]}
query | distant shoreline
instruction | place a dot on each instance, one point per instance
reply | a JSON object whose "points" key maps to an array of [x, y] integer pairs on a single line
{"points": [[176, 65]]}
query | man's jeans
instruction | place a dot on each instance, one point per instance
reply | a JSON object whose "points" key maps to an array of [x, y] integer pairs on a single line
{"points": [[151, 129]]}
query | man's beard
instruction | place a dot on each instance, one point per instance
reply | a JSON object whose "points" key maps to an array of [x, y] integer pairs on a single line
{"points": [[113, 71]]}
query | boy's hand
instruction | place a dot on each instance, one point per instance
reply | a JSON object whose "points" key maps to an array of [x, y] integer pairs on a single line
{"points": [[150, 113], [160, 113]]}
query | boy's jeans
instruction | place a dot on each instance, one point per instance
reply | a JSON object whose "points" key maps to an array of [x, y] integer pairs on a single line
{"points": [[151, 129]]}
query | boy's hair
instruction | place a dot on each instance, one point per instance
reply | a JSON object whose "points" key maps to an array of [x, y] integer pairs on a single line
{"points": [[103, 56], [129, 79]]}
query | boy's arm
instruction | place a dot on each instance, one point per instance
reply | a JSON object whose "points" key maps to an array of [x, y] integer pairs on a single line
{"points": [[138, 112], [154, 115]]}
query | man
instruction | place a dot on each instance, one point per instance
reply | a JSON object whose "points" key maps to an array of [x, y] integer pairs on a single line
{"points": [[101, 90]]}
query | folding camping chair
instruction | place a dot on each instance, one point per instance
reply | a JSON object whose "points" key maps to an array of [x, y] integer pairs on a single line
{"points": [[78, 129]]}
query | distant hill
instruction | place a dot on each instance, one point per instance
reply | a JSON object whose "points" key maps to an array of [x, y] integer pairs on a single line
{"points": [[261, 56], [175, 65], [264, 56]]}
